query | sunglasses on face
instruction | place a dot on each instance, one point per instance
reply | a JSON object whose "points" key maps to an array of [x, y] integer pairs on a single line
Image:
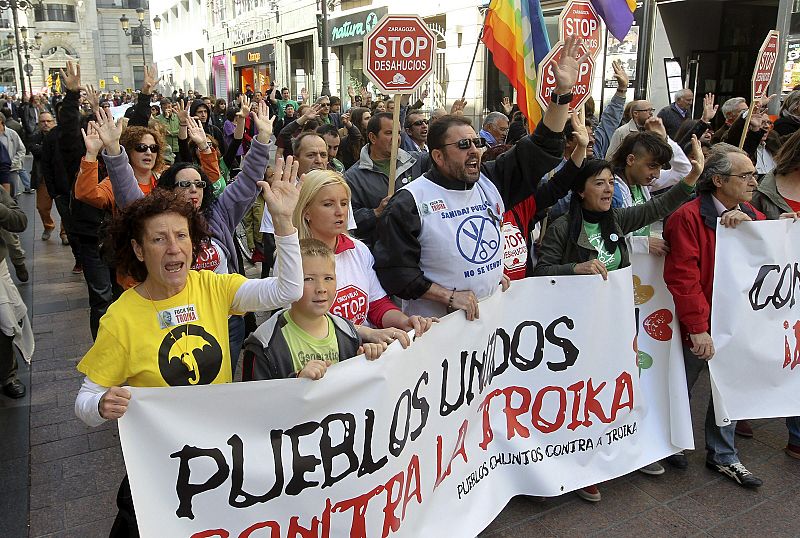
{"points": [[465, 143], [420, 122], [185, 184], [141, 148]]}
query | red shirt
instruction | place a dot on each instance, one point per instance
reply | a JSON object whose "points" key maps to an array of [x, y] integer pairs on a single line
{"points": [[516, 235], [794, 204]]}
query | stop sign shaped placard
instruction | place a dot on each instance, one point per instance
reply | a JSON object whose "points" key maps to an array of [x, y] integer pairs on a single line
{"points": [[546, 83], [399, 53], [765, 64], [579, 18]]}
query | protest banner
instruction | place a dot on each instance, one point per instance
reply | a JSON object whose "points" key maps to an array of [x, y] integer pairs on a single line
{"points": [[754, 321], [537, 397]]}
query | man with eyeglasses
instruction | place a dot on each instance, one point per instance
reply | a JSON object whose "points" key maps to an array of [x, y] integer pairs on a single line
{"points": [[724, 189], [326, 117], [415, 137], [495, 129], [641, 111], [439, 243]]}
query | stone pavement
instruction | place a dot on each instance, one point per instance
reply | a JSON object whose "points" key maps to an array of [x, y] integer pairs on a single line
{"points": [[74, 471]]}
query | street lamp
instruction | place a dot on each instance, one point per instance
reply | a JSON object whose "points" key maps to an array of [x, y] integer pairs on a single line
{"points": [[140, 31], [15, 5], [25, 46]]}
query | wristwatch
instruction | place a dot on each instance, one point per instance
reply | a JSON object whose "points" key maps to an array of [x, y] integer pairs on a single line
{"points": [[563, 99]]}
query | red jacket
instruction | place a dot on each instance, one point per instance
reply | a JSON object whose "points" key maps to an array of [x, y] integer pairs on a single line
{"points": [[689, 266]]}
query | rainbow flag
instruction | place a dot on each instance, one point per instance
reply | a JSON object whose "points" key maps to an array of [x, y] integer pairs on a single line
{"points": [[515, 33], [618, 15]]}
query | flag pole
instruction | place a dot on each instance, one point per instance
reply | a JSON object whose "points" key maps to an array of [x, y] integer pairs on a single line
{"points": [[474, 54]]}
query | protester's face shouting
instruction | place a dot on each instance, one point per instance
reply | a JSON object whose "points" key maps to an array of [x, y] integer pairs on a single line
{"points": [[456, 163], [319, 286], [194, 192], [312, 154], [326, 215], [144, 160], [734, 188], [598, 191], [382, 142], [642, 169], [418, 129], [166, 250]]}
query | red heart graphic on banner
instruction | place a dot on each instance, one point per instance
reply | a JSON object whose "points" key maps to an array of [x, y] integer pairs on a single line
{"points": [[657, 325]]}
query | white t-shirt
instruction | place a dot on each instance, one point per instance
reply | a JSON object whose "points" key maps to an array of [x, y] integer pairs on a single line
{"points": [[357, 284]]}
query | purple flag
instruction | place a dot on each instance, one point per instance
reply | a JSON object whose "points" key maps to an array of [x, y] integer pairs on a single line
{"points": [[617, 14]]}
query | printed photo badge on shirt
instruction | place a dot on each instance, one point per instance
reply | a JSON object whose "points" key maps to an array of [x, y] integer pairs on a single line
{"points": [[172, 317], [189, 355], [477, 239]]}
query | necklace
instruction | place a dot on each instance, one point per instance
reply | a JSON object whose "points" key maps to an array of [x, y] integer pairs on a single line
{"points": [[166, 325]]}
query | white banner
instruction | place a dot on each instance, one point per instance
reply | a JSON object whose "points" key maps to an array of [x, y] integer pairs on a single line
{"points": [[540, 396], [754, 321]]}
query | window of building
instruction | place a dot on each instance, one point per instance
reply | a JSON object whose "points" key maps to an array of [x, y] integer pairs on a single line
{"points": [[54, 12], [136, 39], [138, 76]]}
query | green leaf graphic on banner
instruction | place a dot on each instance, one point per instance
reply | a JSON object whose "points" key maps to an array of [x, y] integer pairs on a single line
{"points": [[645, 361]]}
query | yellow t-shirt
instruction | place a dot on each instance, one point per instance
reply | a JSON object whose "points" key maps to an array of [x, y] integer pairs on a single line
{"points": [[179, 341], [304, 347]]}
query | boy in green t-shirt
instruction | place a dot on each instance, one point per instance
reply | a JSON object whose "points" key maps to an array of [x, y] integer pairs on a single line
{"points": [[306, 339]]}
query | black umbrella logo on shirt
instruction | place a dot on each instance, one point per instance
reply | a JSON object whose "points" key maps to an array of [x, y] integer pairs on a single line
{"points": [[189, 355]]}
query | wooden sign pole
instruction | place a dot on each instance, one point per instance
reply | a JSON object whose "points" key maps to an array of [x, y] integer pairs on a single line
{"points": [[395, 142]]}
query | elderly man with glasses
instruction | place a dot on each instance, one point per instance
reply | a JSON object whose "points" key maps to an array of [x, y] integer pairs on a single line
{"points": [[641, 111], [439, 240], [326, 117]]}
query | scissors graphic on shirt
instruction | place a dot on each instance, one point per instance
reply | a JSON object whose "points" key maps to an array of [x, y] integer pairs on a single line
{"points": [[483, 249]]}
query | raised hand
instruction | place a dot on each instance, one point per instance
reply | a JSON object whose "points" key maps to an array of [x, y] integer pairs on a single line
{"points": [[311, 113], [150, 79], [579, 130], [72, 77], [507, 106], [458, 107], [709, 108], [196, 133], [621, 76], [568, 66], [92, 141], [182, 110], [424, 94], [93, 98], [346, 120], [109, 131], [263, 122], [698, 161], [281, 194], [656, 125], [304, 95], [351, 93]]}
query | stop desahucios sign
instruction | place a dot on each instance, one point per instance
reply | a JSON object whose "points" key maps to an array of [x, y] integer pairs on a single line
{"points": [[398, 53]]}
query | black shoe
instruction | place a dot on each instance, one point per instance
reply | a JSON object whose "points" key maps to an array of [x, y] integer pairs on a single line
{"points": [[15, 389], [678, 460], [738, 473], [22, 272]]}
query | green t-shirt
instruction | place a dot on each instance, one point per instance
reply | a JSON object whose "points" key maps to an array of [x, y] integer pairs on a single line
{"points": [[611, 261], [383, 166], [305, 348], [282, 106], [638, 199]]}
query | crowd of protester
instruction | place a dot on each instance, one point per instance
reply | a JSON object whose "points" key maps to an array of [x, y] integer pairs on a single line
{"points": [[150, 189]]}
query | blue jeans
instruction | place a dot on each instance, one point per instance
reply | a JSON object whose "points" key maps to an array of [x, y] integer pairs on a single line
{"points": [[25, 177], [793, 424], [235, 340], [719, 439]]}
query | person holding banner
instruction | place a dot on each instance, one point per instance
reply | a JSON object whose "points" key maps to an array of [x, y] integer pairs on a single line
{"points": [[439, 241], [172, 328], [725, 189]]}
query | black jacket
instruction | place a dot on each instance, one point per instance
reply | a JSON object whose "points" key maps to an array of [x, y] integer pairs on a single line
{"points": [[64, 149], [672, 120], [515, 173], [267, 356]]}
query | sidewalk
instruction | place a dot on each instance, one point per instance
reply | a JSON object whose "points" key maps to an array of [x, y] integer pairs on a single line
{"points": [[75, 470]]}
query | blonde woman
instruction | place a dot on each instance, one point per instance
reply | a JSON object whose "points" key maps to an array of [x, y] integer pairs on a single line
{"points": [[321, 213]]}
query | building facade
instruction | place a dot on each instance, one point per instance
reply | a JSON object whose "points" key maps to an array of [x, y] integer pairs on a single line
{"points": [[180, 45]]}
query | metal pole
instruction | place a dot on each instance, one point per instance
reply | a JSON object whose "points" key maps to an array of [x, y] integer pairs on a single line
{"points": [[326, 85], [28, 61], [474, 54], [643, 57], [19, 56], [144, 58]]}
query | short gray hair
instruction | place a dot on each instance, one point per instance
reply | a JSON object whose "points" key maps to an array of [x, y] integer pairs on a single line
{"points": [[680, 94], [731, 105], [718, 163], [493, 117]]}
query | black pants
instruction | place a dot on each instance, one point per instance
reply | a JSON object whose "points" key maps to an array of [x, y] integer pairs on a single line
{"points": [[62, 206], [268, 242], [8, 360], [125, 524], [99, 281]]}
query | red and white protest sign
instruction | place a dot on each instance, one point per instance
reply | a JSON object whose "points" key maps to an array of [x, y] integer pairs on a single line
{"points": [[399, 53], [580, 19], [546, 80], [765, 64]]}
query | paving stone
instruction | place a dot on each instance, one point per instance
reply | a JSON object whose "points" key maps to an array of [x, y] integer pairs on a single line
{"points": [[44, 434], [46, 520], [87, 509], [57, 450]]}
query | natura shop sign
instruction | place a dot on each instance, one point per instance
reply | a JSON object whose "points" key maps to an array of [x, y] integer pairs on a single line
{"points": [[352, 28]]}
